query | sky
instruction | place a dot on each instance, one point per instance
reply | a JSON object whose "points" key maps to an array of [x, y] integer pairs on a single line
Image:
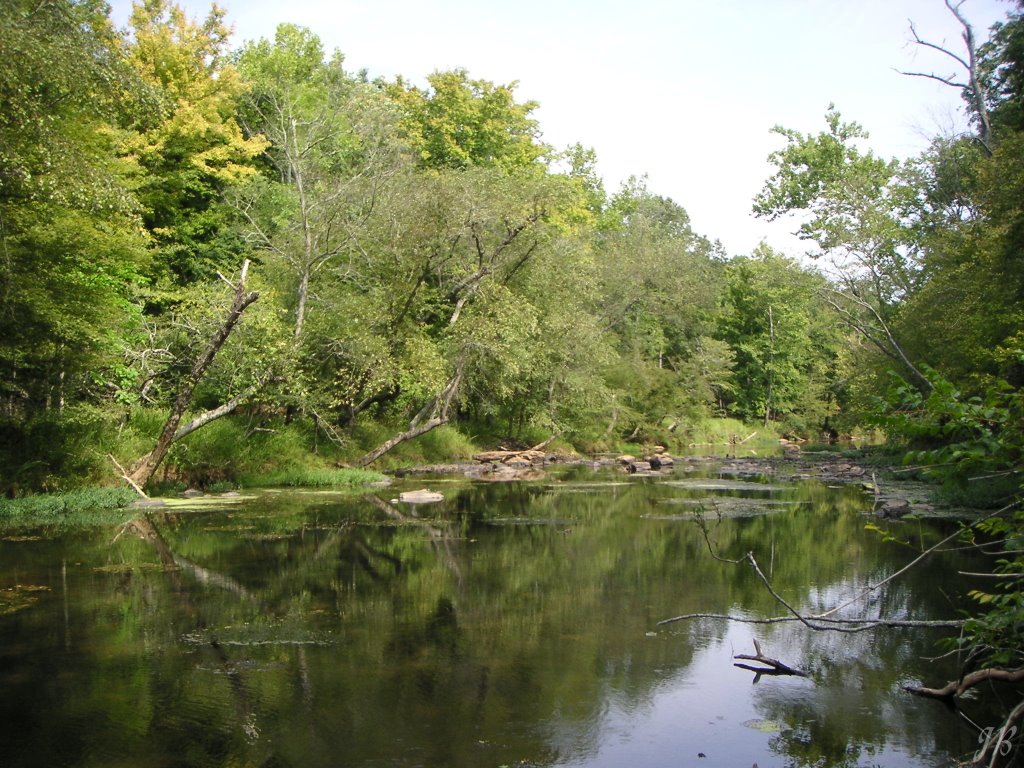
{"points": [[685, 92]]}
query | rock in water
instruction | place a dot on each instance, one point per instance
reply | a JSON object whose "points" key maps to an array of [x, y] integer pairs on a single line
{"points": [[422, 496]]}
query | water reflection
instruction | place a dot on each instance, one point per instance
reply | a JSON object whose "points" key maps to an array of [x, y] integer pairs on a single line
{"points": [[511, 625]]}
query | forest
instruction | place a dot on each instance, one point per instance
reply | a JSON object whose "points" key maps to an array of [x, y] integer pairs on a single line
{"points": [[223, 263], [226, 264]]}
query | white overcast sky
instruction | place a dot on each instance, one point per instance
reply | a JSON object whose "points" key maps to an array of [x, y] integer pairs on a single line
{"points": [[684, 91]]}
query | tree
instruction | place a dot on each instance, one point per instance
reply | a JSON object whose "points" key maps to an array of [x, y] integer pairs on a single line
{"points": [[188, 143], [332, 148], [458, 122], [784, 346], [452, 257], [1000, 61], [859, 213], [71, 244], [659, 285]]}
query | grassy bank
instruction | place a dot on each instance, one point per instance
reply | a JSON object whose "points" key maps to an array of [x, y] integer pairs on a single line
{"points": [[246, 451], [78, 508]]}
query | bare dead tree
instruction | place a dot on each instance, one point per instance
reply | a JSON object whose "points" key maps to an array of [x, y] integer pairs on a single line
{"points": [[968, 81]]}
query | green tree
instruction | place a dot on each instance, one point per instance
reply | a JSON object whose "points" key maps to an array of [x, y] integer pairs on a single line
{"points": [[332, 147], [188, 144], [659, 284], [859, 210], [784, 345], [458, 122], [69, 232]]}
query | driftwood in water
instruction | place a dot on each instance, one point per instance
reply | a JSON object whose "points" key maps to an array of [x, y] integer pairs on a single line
{"points": [[490, 457], [534, 454], [771, 666]]}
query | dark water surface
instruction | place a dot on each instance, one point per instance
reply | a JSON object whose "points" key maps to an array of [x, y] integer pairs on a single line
{"points": [[510, 625]]}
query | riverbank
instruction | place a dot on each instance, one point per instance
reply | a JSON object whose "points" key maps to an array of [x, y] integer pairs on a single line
{"points": [[876, 475], [894, 493]]}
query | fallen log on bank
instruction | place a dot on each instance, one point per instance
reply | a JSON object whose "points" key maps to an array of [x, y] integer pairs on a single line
{"points": [[143, 468], [533, 455]]}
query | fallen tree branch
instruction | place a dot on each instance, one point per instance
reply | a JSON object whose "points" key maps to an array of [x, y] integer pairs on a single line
{"points": [[855, 625], [143, 468], [126, 478], [992, 575], [534, 453], [957, 687], [935, 547], [771, 666], [440, 408], [214, 413], [822, 621], [1000, 740]]}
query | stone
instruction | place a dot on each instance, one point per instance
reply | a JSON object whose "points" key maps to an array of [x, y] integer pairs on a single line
{"points": [[422, 496], [893, 508]]}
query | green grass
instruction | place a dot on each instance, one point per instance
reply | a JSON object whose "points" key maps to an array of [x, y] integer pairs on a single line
{"points": [[312, 477], [82, 507]]}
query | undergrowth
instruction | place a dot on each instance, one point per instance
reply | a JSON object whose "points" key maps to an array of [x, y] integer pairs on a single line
{"points": [[82, 507], [312, 477]]}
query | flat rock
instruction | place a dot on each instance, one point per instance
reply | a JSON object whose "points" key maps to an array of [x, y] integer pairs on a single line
{"points": [[422, 496]]}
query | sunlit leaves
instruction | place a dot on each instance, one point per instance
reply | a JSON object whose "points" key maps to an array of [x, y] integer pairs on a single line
{"points": [[191, 147], [458, 122]]}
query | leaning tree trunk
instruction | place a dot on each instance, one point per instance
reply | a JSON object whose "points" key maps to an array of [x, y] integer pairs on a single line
{"points": [[439, 409], [143, 468]]}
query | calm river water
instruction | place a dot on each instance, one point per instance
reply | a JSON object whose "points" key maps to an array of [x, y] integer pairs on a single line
{"points": [[510, 625]]}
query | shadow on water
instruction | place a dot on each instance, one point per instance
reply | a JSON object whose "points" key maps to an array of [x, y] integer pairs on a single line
{"points": [[512, 624]]}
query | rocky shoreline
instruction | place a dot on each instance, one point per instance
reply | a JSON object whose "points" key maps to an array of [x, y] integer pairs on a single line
{"points": [[892, 498]]}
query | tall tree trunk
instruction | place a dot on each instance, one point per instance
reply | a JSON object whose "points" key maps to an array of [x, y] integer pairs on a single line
{"points": [[143, 468]]}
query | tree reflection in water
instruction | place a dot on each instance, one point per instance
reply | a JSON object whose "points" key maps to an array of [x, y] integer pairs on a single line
{"points": [[511, 624]]}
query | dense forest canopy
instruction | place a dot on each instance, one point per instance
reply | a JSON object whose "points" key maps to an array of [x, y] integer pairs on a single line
{"points": [[422, 258]]}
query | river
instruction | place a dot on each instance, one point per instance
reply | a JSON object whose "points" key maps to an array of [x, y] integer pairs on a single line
{"points": [[512, 624]]}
